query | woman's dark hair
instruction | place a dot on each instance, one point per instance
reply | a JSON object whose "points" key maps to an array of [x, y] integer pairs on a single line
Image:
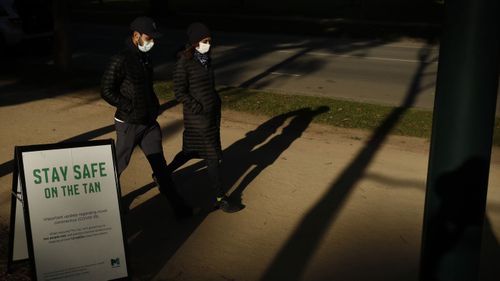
{"points": [[186, 52], [195, 32]]}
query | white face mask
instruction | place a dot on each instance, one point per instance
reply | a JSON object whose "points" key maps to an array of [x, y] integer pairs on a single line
{"points": [[147, 45], [203, 47]]}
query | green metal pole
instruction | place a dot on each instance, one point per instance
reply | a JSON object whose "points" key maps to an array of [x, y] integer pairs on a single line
{"points": [[464, 114]]}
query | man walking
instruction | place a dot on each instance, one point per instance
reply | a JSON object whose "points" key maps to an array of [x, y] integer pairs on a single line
{"points": [[127, 84]]}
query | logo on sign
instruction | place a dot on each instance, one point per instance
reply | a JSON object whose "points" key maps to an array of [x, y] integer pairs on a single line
{"points": [[115, 262]]}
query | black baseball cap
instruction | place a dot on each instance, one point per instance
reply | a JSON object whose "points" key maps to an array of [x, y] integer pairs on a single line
{"points": [[145, 25]]}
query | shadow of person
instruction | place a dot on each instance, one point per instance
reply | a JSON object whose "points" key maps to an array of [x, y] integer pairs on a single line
{"points": [[248, 156], [264, 156]]}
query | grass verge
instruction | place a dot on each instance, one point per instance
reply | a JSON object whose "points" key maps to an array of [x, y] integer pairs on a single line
{"points": [[341, 113]]}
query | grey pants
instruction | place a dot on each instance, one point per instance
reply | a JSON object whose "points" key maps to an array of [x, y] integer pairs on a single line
{"points": [[148, 137], [128, 136]]}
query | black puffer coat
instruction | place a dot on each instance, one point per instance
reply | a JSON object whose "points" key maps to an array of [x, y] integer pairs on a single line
{"points": [[194, 87], [127, 84]]}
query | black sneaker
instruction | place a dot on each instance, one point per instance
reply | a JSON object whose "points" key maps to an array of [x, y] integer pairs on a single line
{"points": [[168, 183], [226, 206], [155, 179]]}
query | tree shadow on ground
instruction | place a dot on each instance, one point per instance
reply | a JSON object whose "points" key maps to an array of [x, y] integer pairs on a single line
{"points": [[292, 260], [37, 82]]}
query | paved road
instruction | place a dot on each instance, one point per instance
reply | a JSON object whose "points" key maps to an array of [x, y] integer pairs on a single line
{"points": [[363, 71], [369, 71]]}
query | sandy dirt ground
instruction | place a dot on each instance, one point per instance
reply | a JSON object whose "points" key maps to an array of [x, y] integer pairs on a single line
{"points": [[321, 203]]}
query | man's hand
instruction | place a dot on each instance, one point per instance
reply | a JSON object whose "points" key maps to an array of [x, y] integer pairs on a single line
{"points": [[125, 104]]}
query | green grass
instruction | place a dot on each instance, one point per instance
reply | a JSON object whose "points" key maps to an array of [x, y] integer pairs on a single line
{"points": [[341, 113]]}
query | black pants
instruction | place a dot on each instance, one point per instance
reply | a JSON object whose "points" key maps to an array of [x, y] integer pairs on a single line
{"points": [[213, 168], [148, 138]]}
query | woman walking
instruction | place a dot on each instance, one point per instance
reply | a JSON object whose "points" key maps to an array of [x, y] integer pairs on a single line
{"points": [[194, 87]]}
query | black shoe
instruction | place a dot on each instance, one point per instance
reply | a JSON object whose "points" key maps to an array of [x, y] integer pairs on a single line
{"points": [[155, 179], [167, 184], [226, 206]]}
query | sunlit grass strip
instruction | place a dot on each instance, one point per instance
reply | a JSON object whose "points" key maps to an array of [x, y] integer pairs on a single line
{"points": [[342, 113]]}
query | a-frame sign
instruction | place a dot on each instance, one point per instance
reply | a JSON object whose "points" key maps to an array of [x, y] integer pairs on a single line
{"points": [[65, 212]]}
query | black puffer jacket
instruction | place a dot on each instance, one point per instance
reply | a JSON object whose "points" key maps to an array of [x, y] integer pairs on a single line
{"points": [[127, 84], [194, 87]]}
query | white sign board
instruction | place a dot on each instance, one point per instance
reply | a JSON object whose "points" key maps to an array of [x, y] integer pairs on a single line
{"points": [[73, 221]]}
